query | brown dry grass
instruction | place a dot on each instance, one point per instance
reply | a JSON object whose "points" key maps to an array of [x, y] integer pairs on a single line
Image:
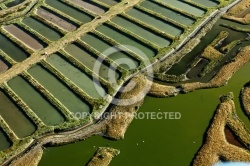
{"points": [[31, 158], [160, 90], [216, 145], [211, 53], [103, 156], [225, 73], [122, 115], [240, 12], [246, 100], [239, 8]]}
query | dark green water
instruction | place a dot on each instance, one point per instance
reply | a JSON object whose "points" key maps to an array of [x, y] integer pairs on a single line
{"points": [[59, 90], [14, 3], [12, 49], [155, 22], [166, 142], [121, 58], [141, 31], [185, 7], [19, 123], [168, 12], [44, 110], [80, 78], [5, 143], [42, 29], [70, 11], [182, 66], [122, 38]]}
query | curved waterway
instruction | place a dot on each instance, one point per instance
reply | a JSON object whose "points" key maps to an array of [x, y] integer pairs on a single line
{"points": [[158, 142]]}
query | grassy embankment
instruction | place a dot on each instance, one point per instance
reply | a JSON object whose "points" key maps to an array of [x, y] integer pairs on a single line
{"points": [[247, 30], [122, 114], [16, 11]]}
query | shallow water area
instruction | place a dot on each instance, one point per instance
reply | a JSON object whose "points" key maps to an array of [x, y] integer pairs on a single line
{"points": [[80, 78], [43, 108], [59, 90]]}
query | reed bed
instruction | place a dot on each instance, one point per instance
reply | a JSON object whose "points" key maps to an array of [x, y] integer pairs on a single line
{"points": [[103, 156], [245, 99], [31, 158], [240, 12], [123, 113], [159, 90]]}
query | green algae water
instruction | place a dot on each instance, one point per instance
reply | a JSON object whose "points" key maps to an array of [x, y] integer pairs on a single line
{"points": [[124, 39], [179, 17], [185, 7], [141, 31], [155, 22], [5, 143], [42, 108], [12, 50], [70, 100], [70, 11], [207, 3], [121, 58], [158, 142], [80, 78], [19, 122], [42, 29]]}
